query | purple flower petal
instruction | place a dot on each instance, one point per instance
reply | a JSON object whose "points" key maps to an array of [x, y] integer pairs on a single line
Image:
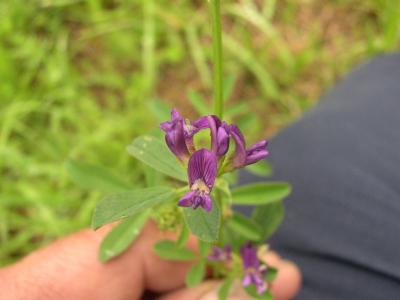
{"points": [[222, 141], [247, 280], [242, 157], [206, 203], [216, 253], [257, 152], [205, 121], [196, 199], [221, 254], [202, 169], [254, 272], [261, 285], [219, 132], [187, 199], [175, 135], [249, 256], [174, 114], [239, 157]]}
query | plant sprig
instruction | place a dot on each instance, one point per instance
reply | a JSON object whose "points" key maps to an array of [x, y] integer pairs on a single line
{"points": [[203, 205]]}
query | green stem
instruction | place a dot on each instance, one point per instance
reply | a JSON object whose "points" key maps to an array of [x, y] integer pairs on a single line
{"points": [[217, 58], [221, 217]]}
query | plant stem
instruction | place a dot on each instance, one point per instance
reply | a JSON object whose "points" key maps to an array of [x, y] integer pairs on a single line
{"points": [[217, 58], [221, 217]]}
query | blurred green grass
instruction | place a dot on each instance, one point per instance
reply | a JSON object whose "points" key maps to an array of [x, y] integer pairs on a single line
{"points": [[80, 79]]}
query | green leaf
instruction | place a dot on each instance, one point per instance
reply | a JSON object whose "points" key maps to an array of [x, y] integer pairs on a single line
{"points": [[223, 291], [121, 236], [252, 291], [245, 227], [269, 217], [153, 177], [184, 236], [94, 177], [198, 103], [155, 153], [223, 185], [116, 206], [262, 168], [230, 236], [260, 193], [168, 249], [271, 274], [205, 225], [204, 248], [196, 274]]}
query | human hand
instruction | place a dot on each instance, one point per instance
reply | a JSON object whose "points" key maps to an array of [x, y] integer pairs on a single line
{"points": [[69, 269]]}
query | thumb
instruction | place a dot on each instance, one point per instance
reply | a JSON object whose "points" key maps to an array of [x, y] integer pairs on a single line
{"points": [[69, 269]]}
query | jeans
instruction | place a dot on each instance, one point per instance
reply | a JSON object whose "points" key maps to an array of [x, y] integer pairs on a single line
{"points": [[342, 223]]}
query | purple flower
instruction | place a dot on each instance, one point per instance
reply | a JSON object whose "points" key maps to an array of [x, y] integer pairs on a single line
{"points": [[221, 254], [176, 136], [254, 271], [242, 156], [202, 170], [219, 132]]}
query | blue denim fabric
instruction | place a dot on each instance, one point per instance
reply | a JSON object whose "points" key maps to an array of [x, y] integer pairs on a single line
{"points": [[342, 225]]}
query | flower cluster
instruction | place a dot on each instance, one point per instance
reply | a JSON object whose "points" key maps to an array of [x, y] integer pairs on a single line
{"points": [[221, 254], [254, 272], [205, 164]]}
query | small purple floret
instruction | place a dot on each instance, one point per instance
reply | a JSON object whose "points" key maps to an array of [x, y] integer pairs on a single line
{"points": [[256, 152], [202, 171], [242, 156], [219, 132], [221, 254], [176, 136], [254, 271]]}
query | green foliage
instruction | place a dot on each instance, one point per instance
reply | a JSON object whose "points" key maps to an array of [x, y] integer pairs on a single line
{"points": [[183, 236], [121, 236], [204, 248], [230, 237], [116, 206], [205, 225], [196, 274], [78, 79], [251, 290], [260, 193], [168, 249], [155, 153], [269, 217], [94, 177], [245, 227], [271, 274], [262, 168], [223, 291]]}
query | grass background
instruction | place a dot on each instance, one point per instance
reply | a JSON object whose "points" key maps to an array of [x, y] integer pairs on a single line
{"points": [[80, 79]]}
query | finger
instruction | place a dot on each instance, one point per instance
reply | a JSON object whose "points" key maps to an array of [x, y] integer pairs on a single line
{"points": [[160, 274], [208, 291], [288, 281], [202, 291], [69, 269]]}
